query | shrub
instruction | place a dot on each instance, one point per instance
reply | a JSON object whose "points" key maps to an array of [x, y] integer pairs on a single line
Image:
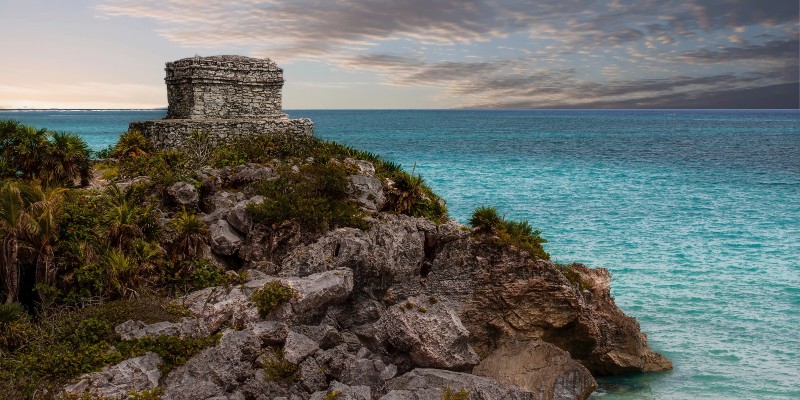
{"points": [[272, 295], [317, 198], [486, 218], [132, 144], [574, 277], [516, 233], [276, 368]]}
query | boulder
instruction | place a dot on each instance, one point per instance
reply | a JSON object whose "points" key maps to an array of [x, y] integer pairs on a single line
{"points": [[231, 305], [367, 191], [539, 367], [115, 382], [225, 241], [218, 370], [238, 216], [430, 331], [431, 384], [184, 194], [298, 347]]}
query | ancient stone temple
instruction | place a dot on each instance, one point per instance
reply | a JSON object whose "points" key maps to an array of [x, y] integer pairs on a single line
{"points": [[226, 96]]}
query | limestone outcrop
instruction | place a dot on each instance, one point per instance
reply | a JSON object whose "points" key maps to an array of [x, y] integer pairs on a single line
{"points": [[404, 309]]}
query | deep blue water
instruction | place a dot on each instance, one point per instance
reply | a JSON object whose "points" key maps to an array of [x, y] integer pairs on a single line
{"points": [[696, 213]]}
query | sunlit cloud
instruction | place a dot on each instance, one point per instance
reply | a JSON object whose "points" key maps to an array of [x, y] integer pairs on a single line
{"points": [[532, 54]]}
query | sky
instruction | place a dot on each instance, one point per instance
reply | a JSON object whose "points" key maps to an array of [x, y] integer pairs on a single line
{"points": [[414, 53]]}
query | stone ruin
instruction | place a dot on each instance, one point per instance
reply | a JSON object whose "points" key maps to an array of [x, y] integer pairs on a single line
{"points": [[225, 96]]}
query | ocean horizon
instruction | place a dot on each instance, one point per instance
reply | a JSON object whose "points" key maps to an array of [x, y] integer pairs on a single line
{"points": [[695, 212]]}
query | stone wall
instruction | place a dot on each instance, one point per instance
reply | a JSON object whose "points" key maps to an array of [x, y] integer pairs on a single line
{"points": [[173, 133], [225, 96]]}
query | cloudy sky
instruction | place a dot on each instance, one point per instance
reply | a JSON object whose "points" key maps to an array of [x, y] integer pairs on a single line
{"points": [[412, 53]]}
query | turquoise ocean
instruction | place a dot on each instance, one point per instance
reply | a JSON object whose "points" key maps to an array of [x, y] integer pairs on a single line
{"points": [[695, 213]]}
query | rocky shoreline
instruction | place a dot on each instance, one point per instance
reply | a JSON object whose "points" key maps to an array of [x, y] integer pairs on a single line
{"points": [[404, 309]]}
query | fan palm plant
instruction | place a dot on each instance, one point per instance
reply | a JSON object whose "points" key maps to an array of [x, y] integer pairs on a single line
{"points": [[15, 225], [46, 213], [190, 235], [67, 160]]}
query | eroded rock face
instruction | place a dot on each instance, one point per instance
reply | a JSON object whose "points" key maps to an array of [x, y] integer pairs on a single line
{"points": [[539, 367], [430, 332], [498, 292], [135, 374]]}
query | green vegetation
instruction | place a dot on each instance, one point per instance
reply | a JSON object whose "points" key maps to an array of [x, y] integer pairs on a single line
{"points": [[272, 295], [408, 192], [518, 234], [51, 158], [276, 368], [45, 355], [573, 276], [449, 394], [332, 395], [75, 261], [316, 197]]}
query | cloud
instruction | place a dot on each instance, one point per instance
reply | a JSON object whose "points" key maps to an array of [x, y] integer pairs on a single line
{"points": [[773, 50], [535, 53]]}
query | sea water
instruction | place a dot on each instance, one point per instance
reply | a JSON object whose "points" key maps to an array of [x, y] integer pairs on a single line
{"points": [[695, 213]]}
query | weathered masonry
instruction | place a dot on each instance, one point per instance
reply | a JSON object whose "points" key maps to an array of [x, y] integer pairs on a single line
{"points": [[226, 96]]}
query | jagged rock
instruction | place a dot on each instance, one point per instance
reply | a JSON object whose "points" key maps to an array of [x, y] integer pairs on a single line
{"points": [[314, 293], [429, 384], [225, 241], [390, 254], [219, 305], [368, 191], [501, 294], [184, 194], [344, 392], [543, 369], [311, 375], [324, 335], [217, 370], [298, 347], [238, 216], [186, 327], [364, 167], [271, 332], [220, 203], [430, 332], [135, 374], [216, 306]]}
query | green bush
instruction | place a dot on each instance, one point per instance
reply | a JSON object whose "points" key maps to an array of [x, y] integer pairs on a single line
{"points": [[486, 219], [66, 344], [516, 233], [316, 197], [573, 276], [276, 368], [272, 295]]}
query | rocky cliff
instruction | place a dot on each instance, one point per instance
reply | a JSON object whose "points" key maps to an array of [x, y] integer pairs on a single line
{"points": [[403, 308]]}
